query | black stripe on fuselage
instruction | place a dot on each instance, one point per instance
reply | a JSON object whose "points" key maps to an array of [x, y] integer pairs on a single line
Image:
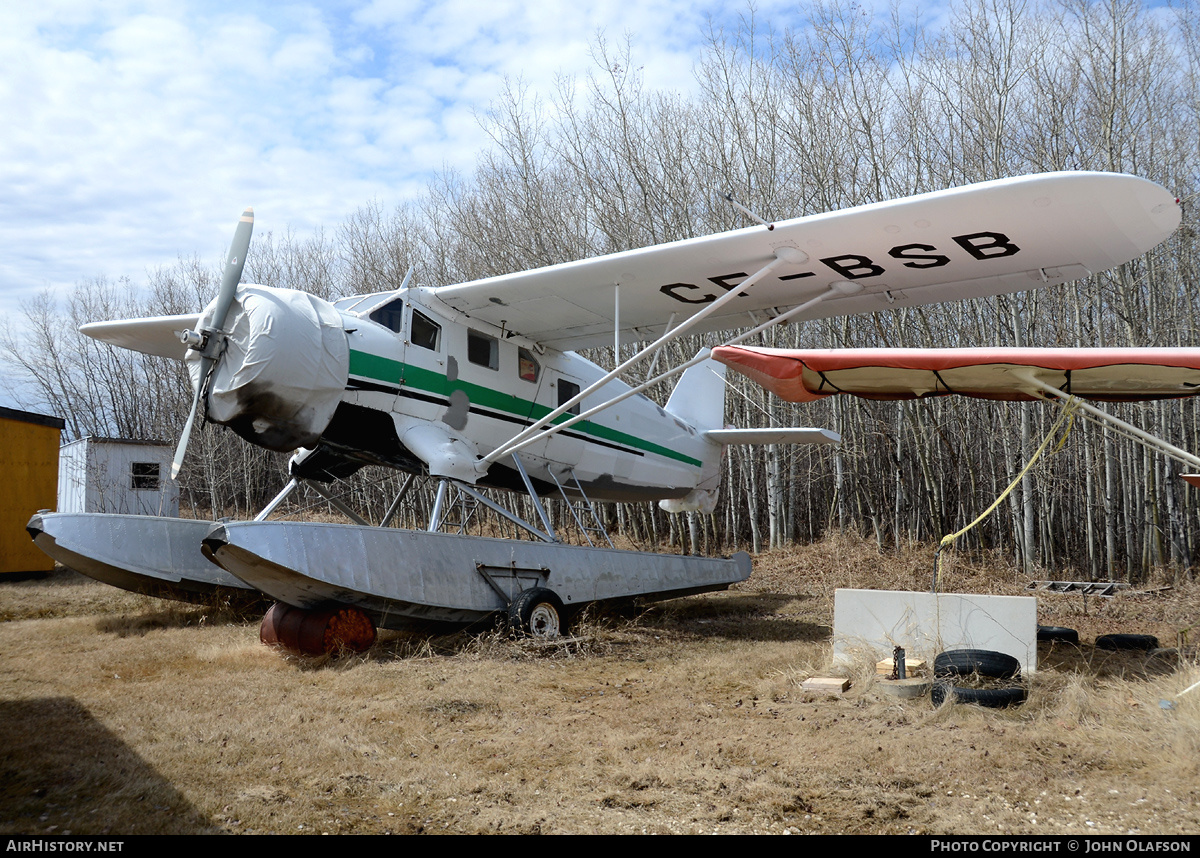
{"points": [[356, 384]]}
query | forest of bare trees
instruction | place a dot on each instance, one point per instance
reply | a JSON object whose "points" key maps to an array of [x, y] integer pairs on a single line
{"points": [[852, 108]]}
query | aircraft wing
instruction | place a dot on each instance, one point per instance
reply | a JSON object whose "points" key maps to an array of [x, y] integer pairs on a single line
{"points": [[154, 335], [986, 239], [1115, 375]]}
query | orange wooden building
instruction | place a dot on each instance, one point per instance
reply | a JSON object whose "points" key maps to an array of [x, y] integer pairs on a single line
{"points": [[29, 465]]}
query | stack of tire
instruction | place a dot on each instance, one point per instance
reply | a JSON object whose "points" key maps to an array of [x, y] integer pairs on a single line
{"points": [[1115, 642], [979, 676]]}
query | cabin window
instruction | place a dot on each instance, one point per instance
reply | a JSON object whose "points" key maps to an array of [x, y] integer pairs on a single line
{"points": [[390, 315], [568, 390], [144, 476], [527, 365], [425, 331], [483, 350]]}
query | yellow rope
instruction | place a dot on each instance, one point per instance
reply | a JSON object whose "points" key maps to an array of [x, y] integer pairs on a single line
{"points": [[1068, 417]]}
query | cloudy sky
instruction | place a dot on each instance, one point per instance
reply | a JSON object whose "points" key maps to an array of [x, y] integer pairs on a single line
{"points": [[136, 130]]}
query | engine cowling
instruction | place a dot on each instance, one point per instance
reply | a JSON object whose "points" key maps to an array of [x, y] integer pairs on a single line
{"points": [[283, 369]]}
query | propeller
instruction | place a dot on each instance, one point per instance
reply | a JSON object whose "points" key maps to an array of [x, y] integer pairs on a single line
{"points": [[209, 341]]}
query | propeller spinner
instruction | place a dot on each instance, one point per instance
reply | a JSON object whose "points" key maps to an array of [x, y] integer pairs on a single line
{"points": [[209, 341]]}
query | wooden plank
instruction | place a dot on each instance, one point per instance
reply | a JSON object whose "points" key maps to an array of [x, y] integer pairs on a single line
{"points": [[835, 684]]}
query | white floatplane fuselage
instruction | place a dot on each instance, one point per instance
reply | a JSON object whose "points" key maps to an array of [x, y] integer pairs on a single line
{"points": [[456, 390]]}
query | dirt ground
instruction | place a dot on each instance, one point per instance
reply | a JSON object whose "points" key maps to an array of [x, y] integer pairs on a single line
{"points": [[124, 714]]}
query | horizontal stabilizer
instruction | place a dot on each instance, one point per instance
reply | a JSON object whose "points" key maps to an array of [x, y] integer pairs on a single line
{"points": [[154, 335], [792, 435]]}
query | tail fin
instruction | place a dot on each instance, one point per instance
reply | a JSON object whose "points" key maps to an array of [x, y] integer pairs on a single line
{"points": [[699, 395], [699, 400]]}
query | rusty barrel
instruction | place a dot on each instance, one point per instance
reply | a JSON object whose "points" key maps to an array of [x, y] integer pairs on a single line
{"points": [[317, 632]]}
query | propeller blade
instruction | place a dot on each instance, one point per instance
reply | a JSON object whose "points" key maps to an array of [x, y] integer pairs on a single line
{"points": [[235, 261], [181, 448]]}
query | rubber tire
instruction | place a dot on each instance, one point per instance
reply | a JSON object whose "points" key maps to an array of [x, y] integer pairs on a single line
{"points": [[1144, 642], [993, 698], [1057, 633], [538, 613], [985, 662]]}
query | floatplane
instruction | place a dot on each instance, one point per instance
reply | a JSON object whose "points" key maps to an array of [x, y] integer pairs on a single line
{"points": [[479, 385]]}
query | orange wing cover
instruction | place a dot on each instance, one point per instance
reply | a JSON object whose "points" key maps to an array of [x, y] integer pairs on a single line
{"points": [[1113, 375]]}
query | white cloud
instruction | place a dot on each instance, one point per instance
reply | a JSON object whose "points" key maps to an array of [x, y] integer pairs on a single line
{"points": [[135, 131]]}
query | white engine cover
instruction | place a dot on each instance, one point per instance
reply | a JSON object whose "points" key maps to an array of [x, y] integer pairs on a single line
{"points": [[284, 368]]}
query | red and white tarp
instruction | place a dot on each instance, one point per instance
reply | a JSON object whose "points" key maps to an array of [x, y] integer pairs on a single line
{"points": [[1113, 375]]}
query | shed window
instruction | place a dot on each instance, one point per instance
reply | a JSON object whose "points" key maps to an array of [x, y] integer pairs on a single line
{"points": [[144, 476]]}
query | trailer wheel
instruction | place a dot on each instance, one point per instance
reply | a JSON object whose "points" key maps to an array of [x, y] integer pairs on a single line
{"points": [[537, 613]]}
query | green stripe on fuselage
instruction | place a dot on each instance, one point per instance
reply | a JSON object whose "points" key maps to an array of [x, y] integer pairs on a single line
{"points": [[390, 371]]}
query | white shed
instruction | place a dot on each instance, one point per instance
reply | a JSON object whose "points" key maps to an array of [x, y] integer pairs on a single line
{"points": [[117, 475]]}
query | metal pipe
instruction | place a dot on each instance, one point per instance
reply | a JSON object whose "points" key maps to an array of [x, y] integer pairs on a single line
{"points": [[337, 504], [436, 515], [499, 510], [395, 505]]}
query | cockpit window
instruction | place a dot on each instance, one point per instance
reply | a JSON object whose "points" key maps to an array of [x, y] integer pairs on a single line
{"points": [[390, 315], [425, 331]]}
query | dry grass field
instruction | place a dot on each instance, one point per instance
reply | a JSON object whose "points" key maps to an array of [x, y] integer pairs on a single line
{"points": [[123, 714]]}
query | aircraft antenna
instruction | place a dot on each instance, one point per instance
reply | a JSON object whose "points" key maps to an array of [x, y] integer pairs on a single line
{"points": [[729, 198]]}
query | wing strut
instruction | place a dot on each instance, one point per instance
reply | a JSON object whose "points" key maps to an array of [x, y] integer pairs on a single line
{"points": [[1126, 429], [537, 431]]}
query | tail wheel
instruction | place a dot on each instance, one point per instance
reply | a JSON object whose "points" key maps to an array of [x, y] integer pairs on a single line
{"points": [[538, 613], [317, 632]]}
